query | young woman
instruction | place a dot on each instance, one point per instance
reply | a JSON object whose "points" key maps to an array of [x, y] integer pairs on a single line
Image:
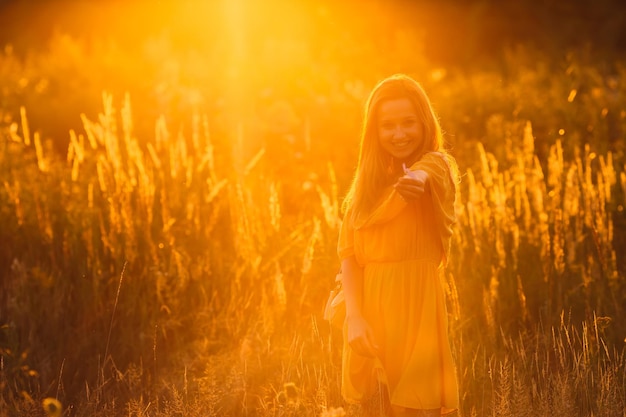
{"points": [[393, 245]]}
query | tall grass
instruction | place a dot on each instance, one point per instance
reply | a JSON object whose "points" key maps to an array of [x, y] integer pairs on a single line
{"points": [[185, 274]]}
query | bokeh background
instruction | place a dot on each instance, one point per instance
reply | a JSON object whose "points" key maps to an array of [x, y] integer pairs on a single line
{"points": [[187, 55], [171, 174]]}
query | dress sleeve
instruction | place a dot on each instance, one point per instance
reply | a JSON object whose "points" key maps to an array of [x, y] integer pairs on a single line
{"points": [[345, 246], [443, 191], [390, 205]]}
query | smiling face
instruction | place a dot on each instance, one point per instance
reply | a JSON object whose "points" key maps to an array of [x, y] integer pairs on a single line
{"points": [[399, 131]]}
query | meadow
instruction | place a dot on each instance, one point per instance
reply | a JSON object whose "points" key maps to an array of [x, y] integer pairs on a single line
{"points": [[177, 264]]}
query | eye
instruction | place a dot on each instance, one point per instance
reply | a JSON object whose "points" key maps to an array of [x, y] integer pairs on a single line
{"points": [[386, 125], [409, 122]]}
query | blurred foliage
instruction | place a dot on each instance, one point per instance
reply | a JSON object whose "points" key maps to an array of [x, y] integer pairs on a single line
{"points": [[320, 61]]}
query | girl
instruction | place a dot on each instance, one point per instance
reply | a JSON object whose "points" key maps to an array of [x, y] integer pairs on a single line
{"points": [[393, 245]]}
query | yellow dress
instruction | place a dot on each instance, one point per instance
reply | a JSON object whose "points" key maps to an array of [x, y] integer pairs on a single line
{"points": [[402, 248]]}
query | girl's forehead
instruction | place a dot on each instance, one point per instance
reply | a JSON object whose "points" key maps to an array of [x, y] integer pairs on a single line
{"points": [[395, 107]]}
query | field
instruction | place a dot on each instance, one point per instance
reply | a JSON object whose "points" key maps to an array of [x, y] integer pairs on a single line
{"points": [[171, 253]]}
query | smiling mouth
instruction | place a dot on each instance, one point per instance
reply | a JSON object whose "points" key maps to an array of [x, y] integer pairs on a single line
{"points": [[402, 144]]}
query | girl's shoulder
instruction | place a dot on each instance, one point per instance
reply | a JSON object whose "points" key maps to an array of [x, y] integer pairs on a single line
{"points": [[437, 158], [439, 161]]}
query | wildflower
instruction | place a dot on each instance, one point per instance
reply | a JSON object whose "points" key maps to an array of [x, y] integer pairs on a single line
{"points": [[289, 394], [291, 390], [52, 407], [334, 412]]}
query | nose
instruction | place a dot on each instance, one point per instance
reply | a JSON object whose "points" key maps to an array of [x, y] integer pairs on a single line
{"points": [[398, 132]]}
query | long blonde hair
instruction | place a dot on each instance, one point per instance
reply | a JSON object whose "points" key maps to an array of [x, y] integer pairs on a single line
{"points": [[375, 168]]}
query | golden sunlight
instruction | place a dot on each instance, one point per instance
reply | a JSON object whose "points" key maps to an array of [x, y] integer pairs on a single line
{"points": [[202, 150]]}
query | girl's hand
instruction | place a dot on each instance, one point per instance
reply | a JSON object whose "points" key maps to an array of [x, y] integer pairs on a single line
{"points": [[412, 185], [361, 337]]}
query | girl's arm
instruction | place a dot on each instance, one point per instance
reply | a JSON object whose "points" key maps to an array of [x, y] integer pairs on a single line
{"points": [[360, 335], [352, 281]]}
